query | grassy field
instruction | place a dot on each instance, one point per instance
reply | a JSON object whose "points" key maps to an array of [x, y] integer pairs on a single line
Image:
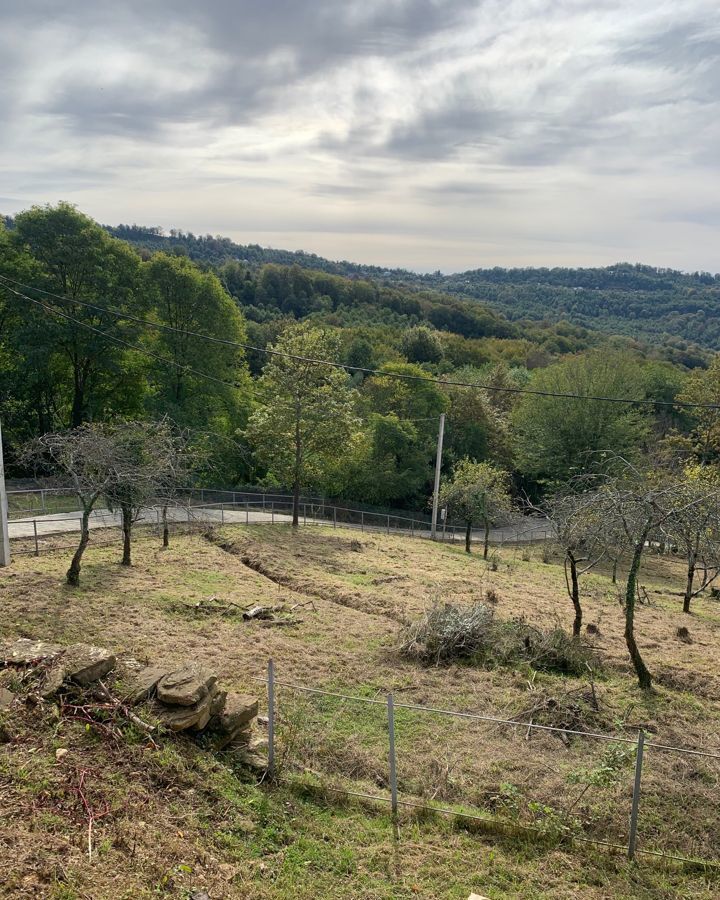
{"points": [[180, 819]]}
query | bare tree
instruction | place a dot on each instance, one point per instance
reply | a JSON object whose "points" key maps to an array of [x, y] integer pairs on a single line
{"points": [[639, 509], [85, 457], [580, 535], [695, 531]]}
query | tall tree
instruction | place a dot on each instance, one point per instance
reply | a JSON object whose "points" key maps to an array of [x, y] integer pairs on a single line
{"points": [[307, 412], [559, 438], [76, 259]]}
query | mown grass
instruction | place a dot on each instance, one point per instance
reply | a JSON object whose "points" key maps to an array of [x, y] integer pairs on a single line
{"points": [[183, 820]]}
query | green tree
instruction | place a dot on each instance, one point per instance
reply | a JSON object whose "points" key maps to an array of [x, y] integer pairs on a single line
{"points": [[422, 345], [307, 411], [559, 438], [192, 302], [477, 493], [76, 259]]}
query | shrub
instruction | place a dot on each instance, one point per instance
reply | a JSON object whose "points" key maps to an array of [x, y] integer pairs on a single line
{"points": [[447, 632]]}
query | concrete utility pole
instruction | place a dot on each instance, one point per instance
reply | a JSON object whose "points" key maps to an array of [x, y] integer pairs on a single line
{"points": [[438, 465], [4, 535]]}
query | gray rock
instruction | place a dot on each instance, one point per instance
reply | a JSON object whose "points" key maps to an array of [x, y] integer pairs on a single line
{"points": [[25, 651], [85, 664], [240, 709], [142, 683], [180, 718], [185, 687]]}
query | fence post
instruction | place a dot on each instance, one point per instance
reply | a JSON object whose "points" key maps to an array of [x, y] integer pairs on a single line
{"points": [[42, 501], [272, 512], [271, 719], [334, 516], [391, 755], [304, 513], [222, 513], [388, 525], [362, 521], [632, 841], [247, 512], [412, 527], [37, 551]]}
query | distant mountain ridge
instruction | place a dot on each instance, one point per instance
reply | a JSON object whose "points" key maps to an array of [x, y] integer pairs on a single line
{"points": [[662, 306]]}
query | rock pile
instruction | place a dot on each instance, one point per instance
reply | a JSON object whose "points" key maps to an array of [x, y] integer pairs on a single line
{"points": [[186, 698]]}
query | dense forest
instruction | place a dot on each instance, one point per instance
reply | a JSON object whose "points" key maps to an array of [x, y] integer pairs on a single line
{"points": [[671, 309], [100, 325]]}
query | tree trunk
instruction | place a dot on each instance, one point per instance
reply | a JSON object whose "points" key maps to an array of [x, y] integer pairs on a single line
{"points": [[166, 530], [575, 593], [468, 536], [689, 584], [296, 474], [487, 540], [73, 573], [126, 513], [643, 675]]}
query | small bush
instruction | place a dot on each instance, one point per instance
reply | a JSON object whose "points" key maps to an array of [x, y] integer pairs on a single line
{"points": [[447, 633]]}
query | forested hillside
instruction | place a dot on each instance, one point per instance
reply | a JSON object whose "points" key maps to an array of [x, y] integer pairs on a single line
{"points": [[668, 308], [96, 329]]}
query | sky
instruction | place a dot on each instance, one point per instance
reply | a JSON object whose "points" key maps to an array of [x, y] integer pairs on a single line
{"points": [[425, 134]]}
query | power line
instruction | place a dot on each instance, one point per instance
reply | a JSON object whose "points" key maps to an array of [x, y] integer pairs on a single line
{"points": [[560, 395], [122, 341]]}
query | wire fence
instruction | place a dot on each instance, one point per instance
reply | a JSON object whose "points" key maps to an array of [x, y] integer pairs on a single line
{"points": [[624, 793], [268, 510]]}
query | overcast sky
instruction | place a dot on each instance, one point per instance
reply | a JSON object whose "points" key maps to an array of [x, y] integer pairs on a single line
{"points": [[419, 133]]}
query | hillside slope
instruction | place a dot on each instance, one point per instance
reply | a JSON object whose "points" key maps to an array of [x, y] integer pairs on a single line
{"points": [[660, 306]]}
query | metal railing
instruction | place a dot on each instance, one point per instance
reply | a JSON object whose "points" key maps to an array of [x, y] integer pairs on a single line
{"points": [[271, 512], [640, 745]]}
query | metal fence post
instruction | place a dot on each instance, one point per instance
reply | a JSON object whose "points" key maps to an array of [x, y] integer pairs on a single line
{"points": [[271, 719], [632, 841], [391, 755], [222, 513], [42, 500], [362, 521], [272, 512], [247, 512], [388, 524], [304, 513], [334, 516], [37, 551]]}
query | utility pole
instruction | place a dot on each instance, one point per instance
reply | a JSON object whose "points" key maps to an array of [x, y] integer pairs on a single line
{"points": [[4, 535], [438, 464]]}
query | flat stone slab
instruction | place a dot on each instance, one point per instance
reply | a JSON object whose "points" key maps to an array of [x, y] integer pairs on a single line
{"points": [[180, 718], [142, 683], [85, 664], [185, 687], [81, 663], [24, 651], [240, 710]]}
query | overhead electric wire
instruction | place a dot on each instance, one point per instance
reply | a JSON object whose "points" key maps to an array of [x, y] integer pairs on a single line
{"points": [[119, 340], [402, 376]]}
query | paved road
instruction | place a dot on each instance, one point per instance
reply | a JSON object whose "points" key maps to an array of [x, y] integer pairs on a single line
{"points": [[60, 523]]}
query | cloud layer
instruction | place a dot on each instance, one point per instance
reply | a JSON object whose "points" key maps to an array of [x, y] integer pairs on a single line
{"points": [[423, 133]]}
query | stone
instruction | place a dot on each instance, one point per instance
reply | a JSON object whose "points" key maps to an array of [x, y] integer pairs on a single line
{"points": [[81, 663], [233, 740], [6, 698], [142, 683], [218, 703], [478, 897], [85, 664], [185, 687], [25, 651], [240, 709], [180, 718]]}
